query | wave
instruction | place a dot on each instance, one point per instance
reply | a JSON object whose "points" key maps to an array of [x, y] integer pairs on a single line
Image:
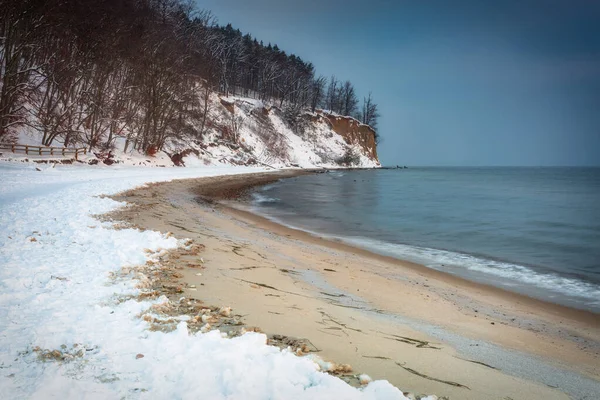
{"points": [[522, 279], [258, 198], [511, 275]]}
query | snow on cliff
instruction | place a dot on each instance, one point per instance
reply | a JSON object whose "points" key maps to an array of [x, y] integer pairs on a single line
{"points": [[244, 131], [56, 297]]}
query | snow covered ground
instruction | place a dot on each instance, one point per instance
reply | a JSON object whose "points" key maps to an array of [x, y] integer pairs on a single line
{"points": [[56, 294]]}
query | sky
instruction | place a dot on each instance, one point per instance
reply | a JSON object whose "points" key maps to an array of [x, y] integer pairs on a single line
{"points": [[458, 83]]}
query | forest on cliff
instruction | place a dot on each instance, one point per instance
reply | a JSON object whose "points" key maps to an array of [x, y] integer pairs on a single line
{"points": [[83, 72]]}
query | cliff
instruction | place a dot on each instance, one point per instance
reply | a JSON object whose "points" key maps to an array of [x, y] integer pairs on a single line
{"points": [[353, 132], [247, 132], [244, 131]]}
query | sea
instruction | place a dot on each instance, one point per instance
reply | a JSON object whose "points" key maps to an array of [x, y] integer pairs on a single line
{"points": [[534, 231]]}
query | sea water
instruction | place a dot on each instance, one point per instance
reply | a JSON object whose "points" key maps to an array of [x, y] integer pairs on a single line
{"points": [[535, 231]]}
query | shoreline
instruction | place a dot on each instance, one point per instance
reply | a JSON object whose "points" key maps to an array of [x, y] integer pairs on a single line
{"points": [[232, 199], [239, 209], [518, 267], [471, 310]]}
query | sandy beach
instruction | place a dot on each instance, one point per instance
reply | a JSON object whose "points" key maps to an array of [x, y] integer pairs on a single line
{"points": [[423, 330]]}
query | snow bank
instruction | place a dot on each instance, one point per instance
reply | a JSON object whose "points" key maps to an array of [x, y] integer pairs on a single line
{"points": [[56, 295]]}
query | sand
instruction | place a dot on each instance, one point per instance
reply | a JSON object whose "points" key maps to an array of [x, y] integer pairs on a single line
{"points": [[423, 330]]}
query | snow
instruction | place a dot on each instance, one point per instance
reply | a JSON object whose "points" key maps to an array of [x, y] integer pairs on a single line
{"points": [[56, 293], [319, 147], [364, 379]]}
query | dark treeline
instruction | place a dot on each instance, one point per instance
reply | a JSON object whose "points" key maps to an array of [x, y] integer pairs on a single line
{"points": [[87, 71]]}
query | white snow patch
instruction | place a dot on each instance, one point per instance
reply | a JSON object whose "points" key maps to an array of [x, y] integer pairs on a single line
{"points": [[55, 291]]}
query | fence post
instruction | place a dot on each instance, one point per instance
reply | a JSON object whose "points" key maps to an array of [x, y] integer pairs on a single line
{"points": [[51, 151], [40, 148], [76, 151], [26, 149], [63, 151], [13, 148]]}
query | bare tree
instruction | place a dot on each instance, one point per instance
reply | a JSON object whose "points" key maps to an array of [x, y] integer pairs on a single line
{"points": [[370, 114], [84, 73], [332, 99], [348, 100], [21, 22], [317, 92]]}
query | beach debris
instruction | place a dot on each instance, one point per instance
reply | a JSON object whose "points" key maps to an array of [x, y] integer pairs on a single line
{"points": [[333, 295], [328, 318], [364, 379], [330, 367], [287, 271], [412, 396], [225, 311], [412, 371], [431, 397], [236, 250], [337, 304], [260, 285], [323, 365], [329, 270], [300, 351], [256, 285], [138, 356], [207, 318], [159, 278], [341, 369], [63, 355], [477, 362], [193, 250], [298, 345], [378, 357], [420, 344], [252, 329], [244, 268]]}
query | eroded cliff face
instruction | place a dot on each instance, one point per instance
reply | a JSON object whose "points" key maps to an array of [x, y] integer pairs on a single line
{"points": [[353, 132], [244, 131]]}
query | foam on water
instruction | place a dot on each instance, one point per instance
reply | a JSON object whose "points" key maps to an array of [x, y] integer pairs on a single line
{"points": [[518, 277], [530, 230], [258, 198]]}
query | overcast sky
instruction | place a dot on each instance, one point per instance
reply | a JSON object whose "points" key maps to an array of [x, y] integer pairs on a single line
{"points": [[457, 82]]}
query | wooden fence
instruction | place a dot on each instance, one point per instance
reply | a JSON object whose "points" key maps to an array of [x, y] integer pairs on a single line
{"points": [[43, 150]]}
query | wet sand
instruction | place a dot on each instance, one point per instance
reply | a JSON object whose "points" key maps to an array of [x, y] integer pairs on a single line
{"points": [[423, 330]]}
